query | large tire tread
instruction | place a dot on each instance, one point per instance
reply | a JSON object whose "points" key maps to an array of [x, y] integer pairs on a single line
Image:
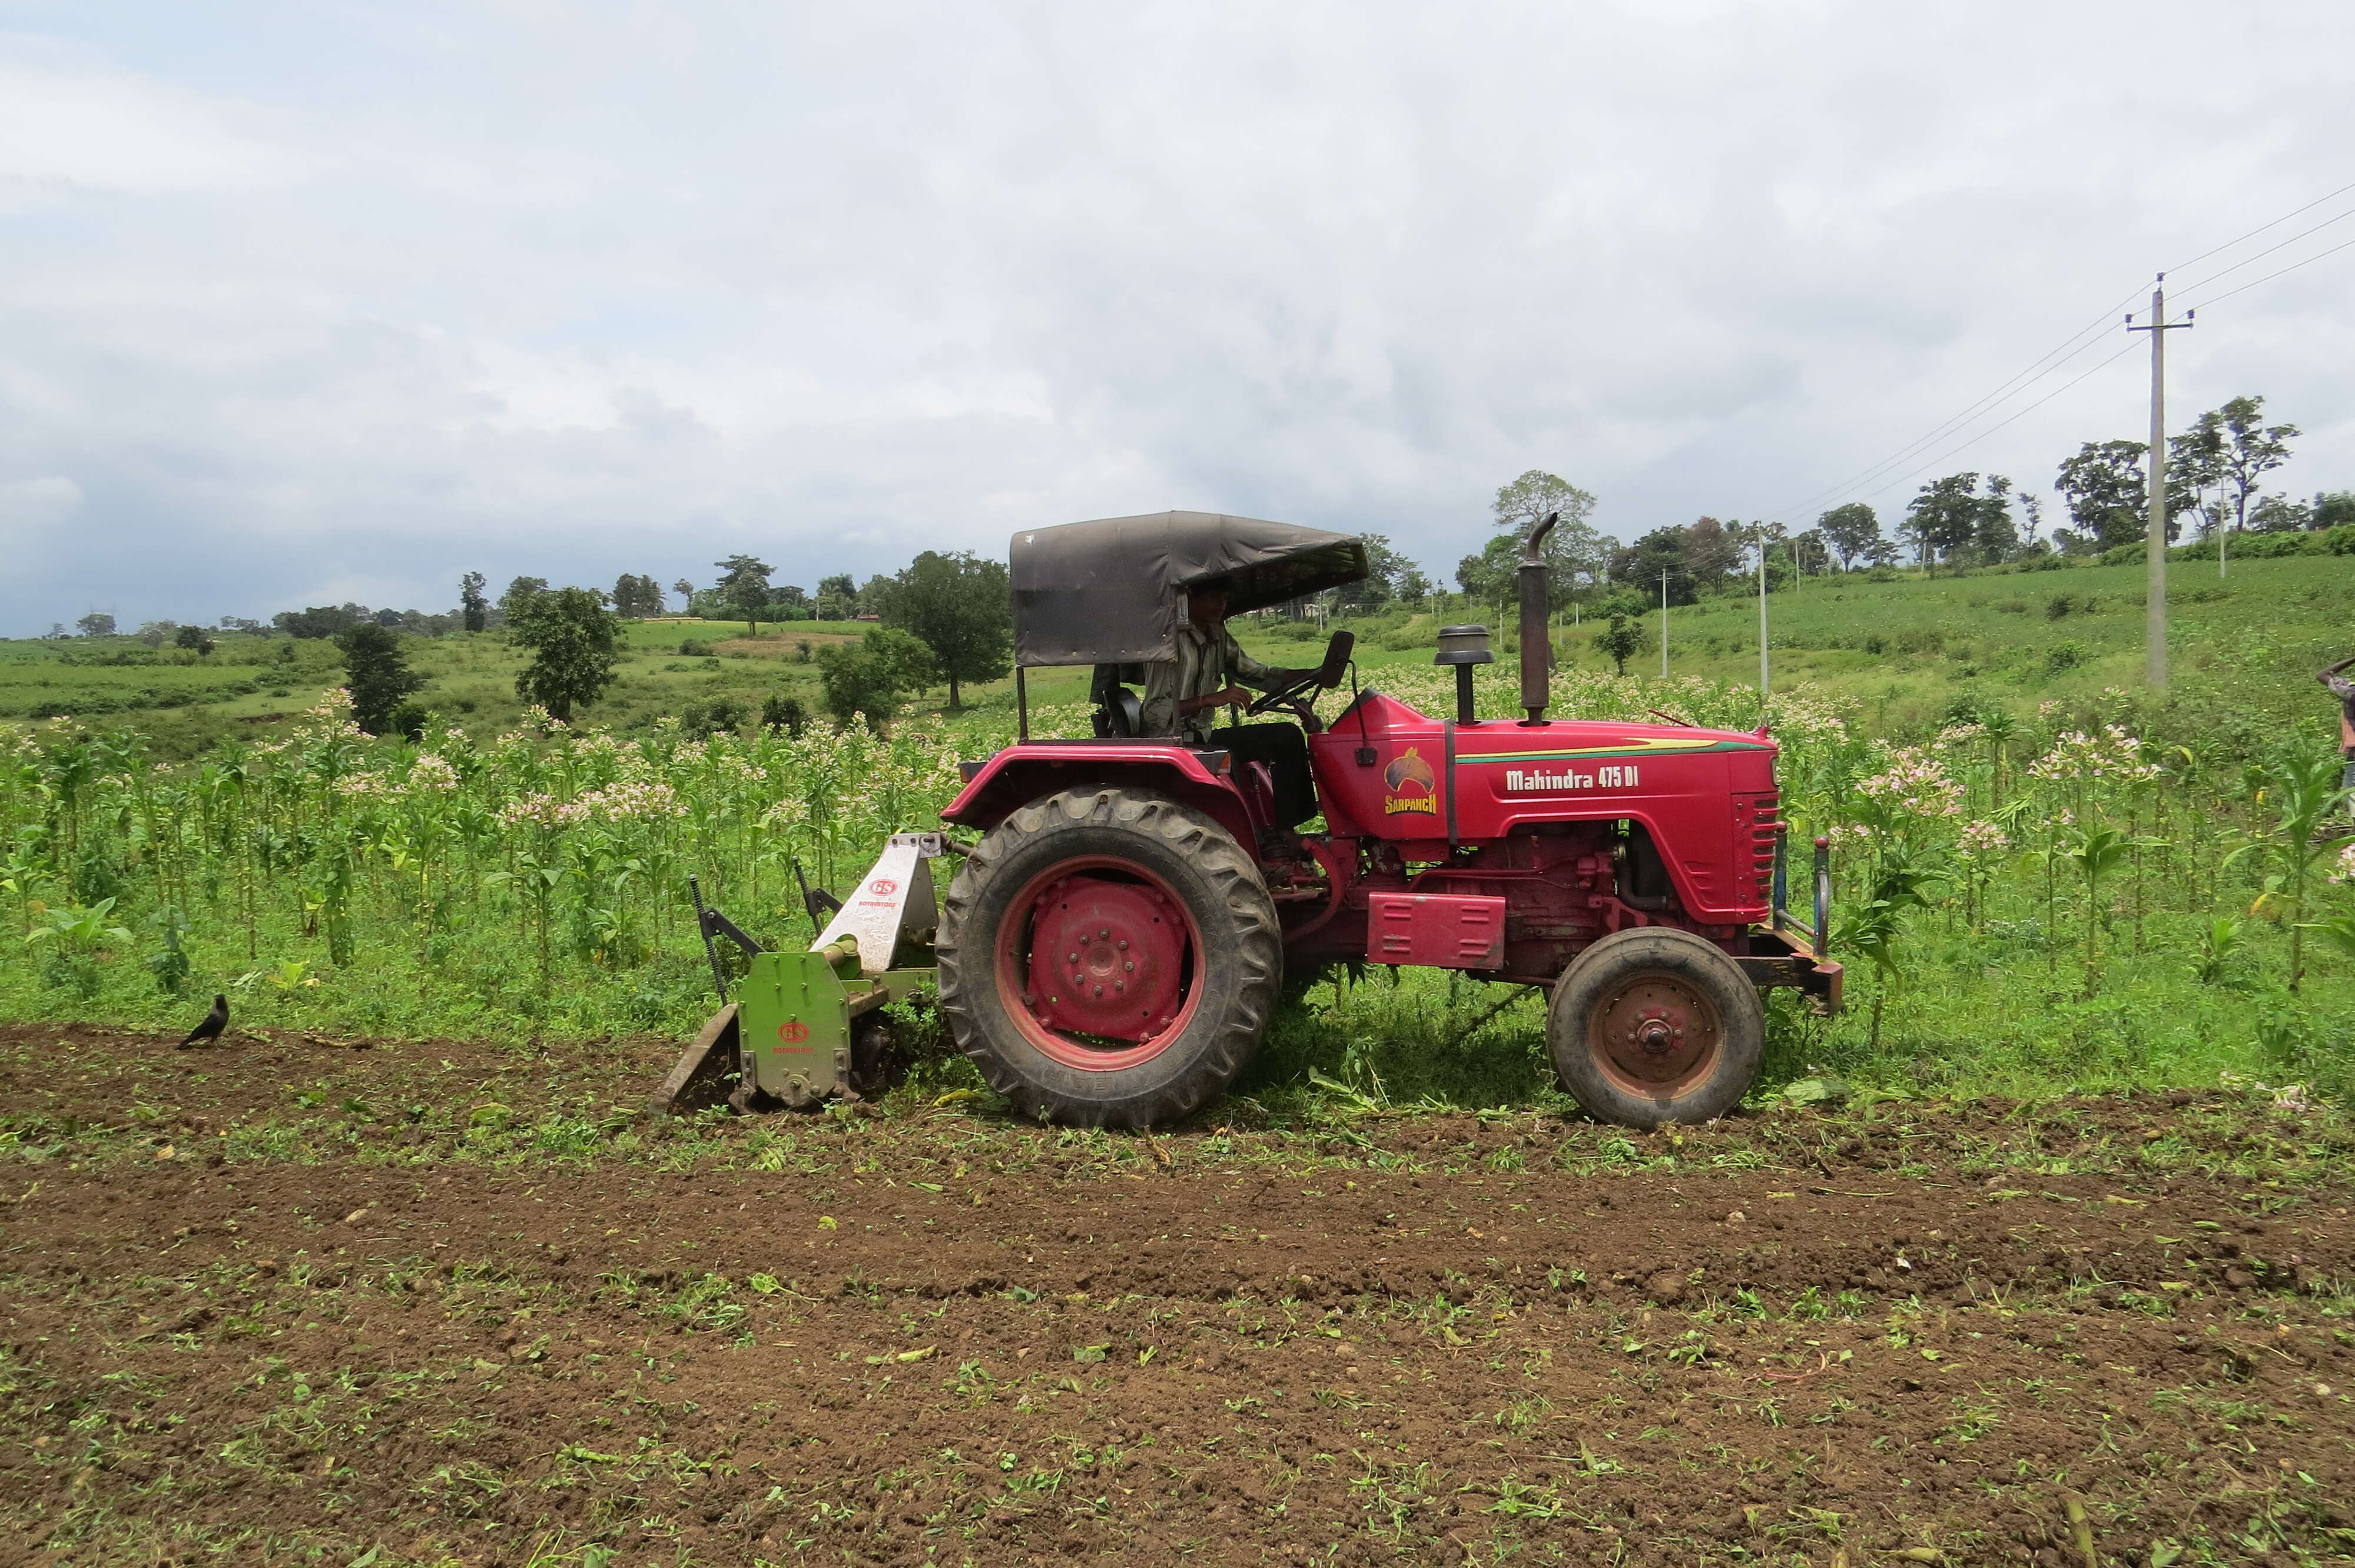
{"points": [[1242, 935]]}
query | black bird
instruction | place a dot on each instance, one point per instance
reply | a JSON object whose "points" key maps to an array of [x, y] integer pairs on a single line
{"points": [[215, 1022]]}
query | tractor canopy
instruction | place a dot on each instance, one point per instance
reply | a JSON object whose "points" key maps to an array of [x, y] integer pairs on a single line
{"points": [[1114, 590]]}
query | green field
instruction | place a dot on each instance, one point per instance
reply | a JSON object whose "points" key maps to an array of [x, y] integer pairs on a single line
{"points": [[190, 828]]}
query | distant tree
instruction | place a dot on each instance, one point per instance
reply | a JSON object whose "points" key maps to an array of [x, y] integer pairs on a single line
{"points": [[872, 675], [1414, 586], [2280, 515], [2246, 450], [745, 588], [57, 629], [1388, 576], [783, 713], [574, 641], [1620, 641], [717, 716], [837, 597], [516, 602], [96, 624], [1639, 566], [2195, 475], [376, 672], [1711, 553], [246, 624], [1994, 534], [2332, 509], [1575, 553], [2031, 507], [1851, 531], [1810, 551], [961, 608], [320, 621], [471, 602], [637, 597], [1943, 518], [1528, 499], [156, 633], [194, 640], [2109, 492], [789, 602]]}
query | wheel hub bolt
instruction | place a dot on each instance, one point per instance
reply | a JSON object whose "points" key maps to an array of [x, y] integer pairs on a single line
{"points": [[1130, 967]]}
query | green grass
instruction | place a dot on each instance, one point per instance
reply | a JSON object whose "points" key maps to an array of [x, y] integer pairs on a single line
{"points": [[2244, 649], [1995, 987]]}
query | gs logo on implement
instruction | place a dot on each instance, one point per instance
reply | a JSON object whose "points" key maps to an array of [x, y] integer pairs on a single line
{"points": [[793, 1031], [1412, 785]]}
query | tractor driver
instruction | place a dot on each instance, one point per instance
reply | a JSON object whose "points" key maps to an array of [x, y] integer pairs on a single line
{"points": [[1208, 673]]}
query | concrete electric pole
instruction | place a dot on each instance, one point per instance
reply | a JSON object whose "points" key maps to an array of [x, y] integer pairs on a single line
{"points": [[2155, 596], [1664, 623]]}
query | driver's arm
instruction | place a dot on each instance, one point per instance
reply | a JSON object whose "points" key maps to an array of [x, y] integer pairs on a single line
{"points": [[1242, 667]]}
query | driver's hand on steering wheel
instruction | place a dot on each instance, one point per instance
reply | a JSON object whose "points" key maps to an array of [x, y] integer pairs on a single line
{"points": [[1232, 698]]}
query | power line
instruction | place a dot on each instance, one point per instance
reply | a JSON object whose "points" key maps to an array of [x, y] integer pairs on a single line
{"points": [[2260, 228], [2270, 276], [2069, 348], [2301, 234], [1991, 429]]}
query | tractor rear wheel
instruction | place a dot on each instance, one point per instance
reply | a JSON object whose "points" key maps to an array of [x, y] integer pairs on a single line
{"points": [[1656, 1025], [1109, 958]]}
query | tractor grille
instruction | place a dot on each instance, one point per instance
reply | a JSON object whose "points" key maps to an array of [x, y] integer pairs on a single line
{"points": [[1765, 817]]}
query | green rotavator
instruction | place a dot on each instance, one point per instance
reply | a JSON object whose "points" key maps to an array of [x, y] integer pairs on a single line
{"points": [[809, 1026]]}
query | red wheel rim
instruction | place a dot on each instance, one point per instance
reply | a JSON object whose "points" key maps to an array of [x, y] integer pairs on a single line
{"points": [[1654, 1035], [1126, 941]]}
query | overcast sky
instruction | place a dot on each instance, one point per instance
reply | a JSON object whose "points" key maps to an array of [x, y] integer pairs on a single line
{"points": [[312, 301]]}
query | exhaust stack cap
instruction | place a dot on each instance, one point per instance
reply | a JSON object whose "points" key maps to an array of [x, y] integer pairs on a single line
{"points": [[1464, 645]]}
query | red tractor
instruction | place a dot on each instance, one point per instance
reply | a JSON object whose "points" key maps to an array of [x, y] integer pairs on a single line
{"points": [[1113, 949]]}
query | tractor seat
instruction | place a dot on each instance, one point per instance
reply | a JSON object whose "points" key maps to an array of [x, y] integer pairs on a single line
{"points": [[1119, 713]]}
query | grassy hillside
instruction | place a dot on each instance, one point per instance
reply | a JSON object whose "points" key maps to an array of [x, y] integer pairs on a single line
{"points": [[253, 686], [1907, 650]]}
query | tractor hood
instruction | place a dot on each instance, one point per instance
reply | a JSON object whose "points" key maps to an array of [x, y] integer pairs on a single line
{"points": [[1114, 590]]}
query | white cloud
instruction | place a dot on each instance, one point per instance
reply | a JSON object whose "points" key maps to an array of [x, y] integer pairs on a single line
{"points": [[370, 300], [80, 132]]}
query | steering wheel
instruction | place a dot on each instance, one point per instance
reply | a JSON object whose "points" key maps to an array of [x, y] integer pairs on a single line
{"points": [[1324, 677]]}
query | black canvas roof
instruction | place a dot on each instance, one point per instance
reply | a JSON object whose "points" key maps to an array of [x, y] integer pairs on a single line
{"points": [[1112, 590]]}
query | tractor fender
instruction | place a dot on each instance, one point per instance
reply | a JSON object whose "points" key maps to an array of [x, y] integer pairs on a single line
{"points": [[1032, 771]]}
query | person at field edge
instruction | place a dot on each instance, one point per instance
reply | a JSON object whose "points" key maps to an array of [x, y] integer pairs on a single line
{"points": [[2344, 690], [1208, 673]]}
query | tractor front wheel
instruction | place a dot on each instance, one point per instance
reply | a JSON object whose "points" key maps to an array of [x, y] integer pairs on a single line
{"points": [[1109, 957], [1656, 1025]]}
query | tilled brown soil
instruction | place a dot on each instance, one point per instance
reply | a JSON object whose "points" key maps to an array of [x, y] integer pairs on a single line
{"points": [[950, 1340]]}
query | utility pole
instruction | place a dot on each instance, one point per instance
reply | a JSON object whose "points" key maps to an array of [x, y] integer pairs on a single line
{"points": [[1762, 616], [2155, 594], [1664, 623]]}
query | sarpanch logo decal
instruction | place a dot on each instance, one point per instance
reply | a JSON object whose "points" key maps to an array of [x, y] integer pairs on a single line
{"points": [[1410, 780], [1527, 780]]}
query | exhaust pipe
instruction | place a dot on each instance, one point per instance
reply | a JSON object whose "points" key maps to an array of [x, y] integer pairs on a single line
{"points": [[1537, 647]]}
